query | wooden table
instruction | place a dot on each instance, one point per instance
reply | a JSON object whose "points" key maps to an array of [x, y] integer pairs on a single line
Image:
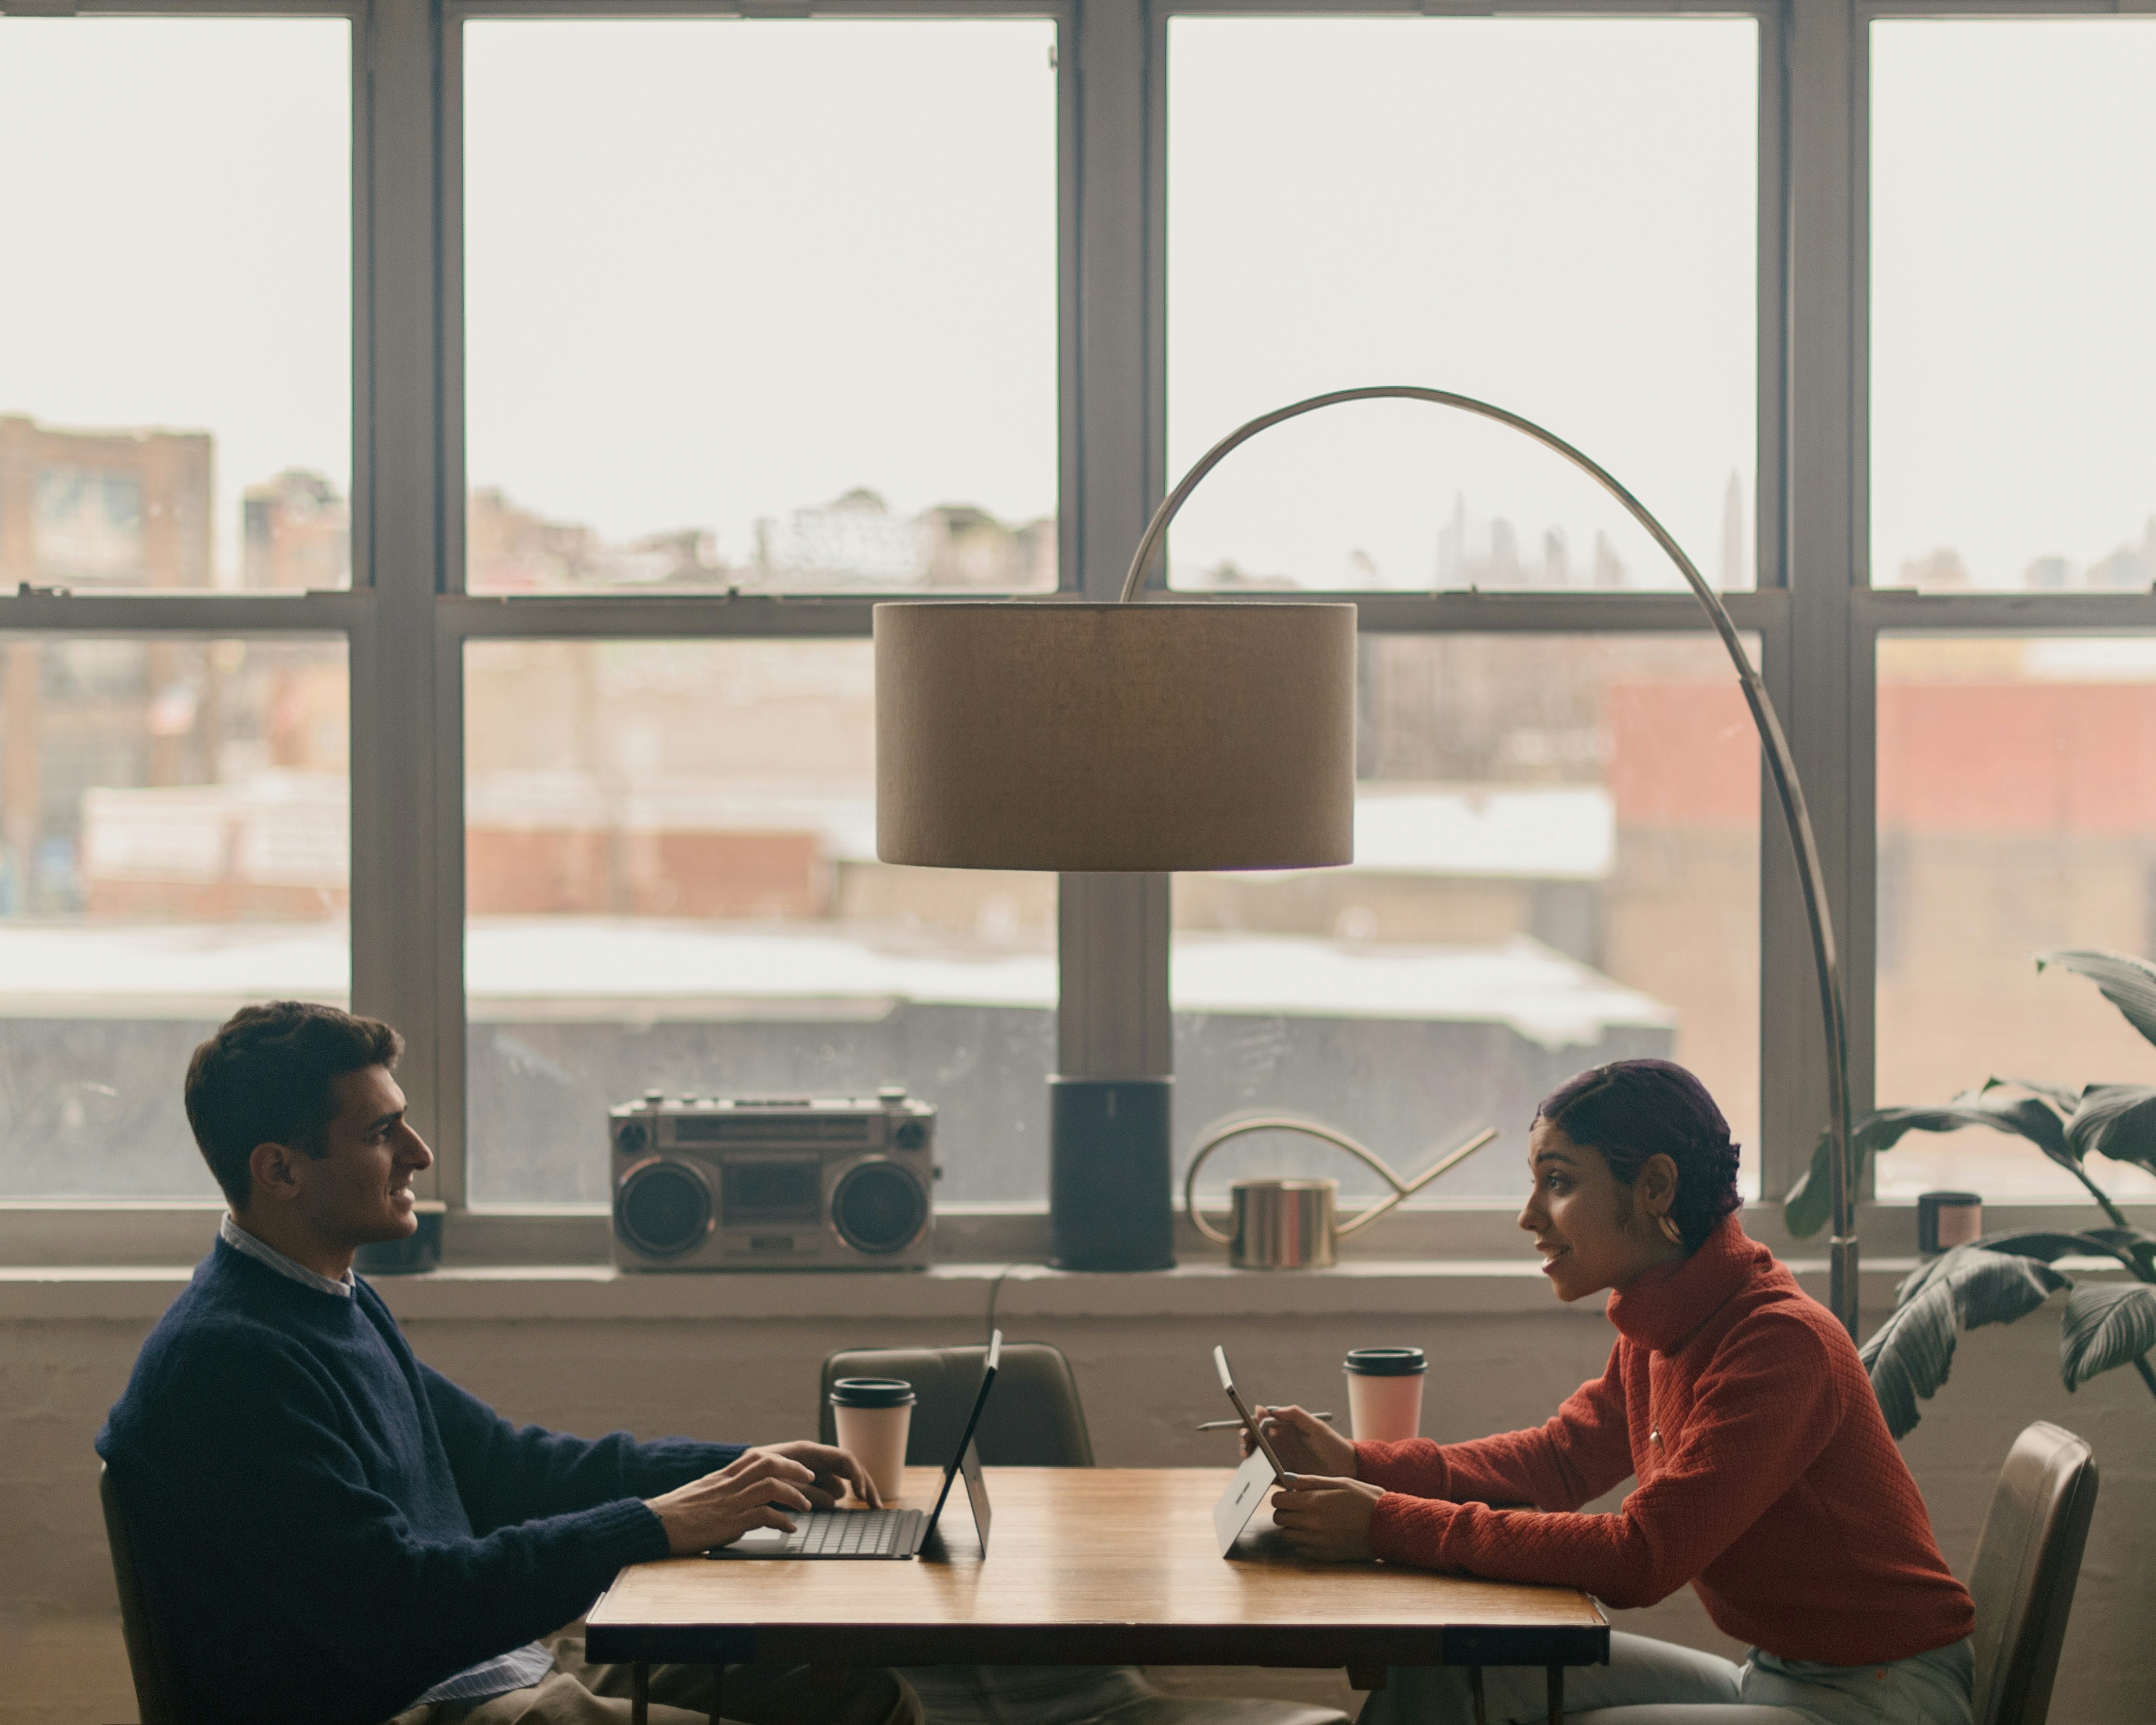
{"points": [[1090, 1566]]}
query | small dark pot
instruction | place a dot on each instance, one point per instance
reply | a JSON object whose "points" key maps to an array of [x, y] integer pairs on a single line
{"points": [[1947, 1219]]}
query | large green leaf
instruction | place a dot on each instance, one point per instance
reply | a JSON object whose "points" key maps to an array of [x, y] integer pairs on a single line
{"points": [[1810, 1201], [2128, 983], [2041, 1118], [2117, 1121], [1910, 1354], [1810, 1204], [2136, 1248], [2107, 1324], [2045, 1245], [2062, 1096]]}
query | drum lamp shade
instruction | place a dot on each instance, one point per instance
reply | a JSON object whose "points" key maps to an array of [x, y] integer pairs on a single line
{"points": [[1149, 736]]}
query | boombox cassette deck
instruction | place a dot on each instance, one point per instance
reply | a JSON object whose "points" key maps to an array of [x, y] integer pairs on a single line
{"points": [[792, 1183]]}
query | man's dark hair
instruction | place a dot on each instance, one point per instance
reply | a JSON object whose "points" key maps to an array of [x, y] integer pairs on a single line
{"points": [[268, 1077], [1631, 1110]]}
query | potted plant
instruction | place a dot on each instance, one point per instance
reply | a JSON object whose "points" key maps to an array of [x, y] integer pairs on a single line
{"points": [[2001, 1277]]}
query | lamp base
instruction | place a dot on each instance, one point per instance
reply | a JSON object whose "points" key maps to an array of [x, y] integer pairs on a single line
{"points": [[1109, 1202]]}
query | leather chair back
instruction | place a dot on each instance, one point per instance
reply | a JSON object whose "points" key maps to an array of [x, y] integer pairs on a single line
{"points": [[155, 1696], [1033, 1418], [2027, 1563]]}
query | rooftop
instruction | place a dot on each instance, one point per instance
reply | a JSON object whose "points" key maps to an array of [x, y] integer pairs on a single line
{"points": [[646, 969]]}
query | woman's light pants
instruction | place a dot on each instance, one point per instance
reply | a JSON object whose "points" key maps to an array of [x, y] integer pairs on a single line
{"points": [[1650, 1682]]}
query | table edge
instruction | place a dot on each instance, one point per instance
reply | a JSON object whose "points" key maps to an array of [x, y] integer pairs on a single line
{"points": [[1329, 1647]]}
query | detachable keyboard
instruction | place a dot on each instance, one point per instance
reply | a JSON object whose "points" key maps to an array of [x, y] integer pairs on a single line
{"points": [[834, 1534]]}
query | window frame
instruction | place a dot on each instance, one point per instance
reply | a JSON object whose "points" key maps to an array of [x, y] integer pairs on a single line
{"points": [[406, 618], [461, 617], [1789, 998], [455, 13], [1875, 611]]}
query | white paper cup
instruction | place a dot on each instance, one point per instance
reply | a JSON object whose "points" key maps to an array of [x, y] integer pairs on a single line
{"points": [[873, 1415], [1384, 1393]]}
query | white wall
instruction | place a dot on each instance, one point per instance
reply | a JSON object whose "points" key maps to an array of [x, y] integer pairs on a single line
{"points": [[1145, 1382]]}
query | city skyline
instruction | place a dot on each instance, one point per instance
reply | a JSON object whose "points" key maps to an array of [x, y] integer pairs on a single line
{"points": [[89, 516], [2036, 452]]}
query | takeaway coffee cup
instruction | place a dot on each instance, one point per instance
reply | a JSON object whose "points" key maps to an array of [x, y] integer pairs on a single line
{"points": [[1384, 1392], [873, 1415]]}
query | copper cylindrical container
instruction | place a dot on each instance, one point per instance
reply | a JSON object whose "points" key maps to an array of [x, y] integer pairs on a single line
{"points": [[1283, 1224]]}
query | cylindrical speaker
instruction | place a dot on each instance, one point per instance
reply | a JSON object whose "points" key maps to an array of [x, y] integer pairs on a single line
{"points": [[1109, 1201]]}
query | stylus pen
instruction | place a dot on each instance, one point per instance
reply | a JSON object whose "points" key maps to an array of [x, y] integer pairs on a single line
{"points": [[1236, 1424]]}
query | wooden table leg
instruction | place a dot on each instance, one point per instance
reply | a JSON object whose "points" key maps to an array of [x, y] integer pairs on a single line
{"points": [[1366, 1676], [1481, 1704], [718, 1693], [639, 1693], [1556, 1695]]}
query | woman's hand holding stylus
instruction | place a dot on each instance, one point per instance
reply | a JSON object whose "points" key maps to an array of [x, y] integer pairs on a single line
{"points": [[1304, 1443], [1328, 1519]]}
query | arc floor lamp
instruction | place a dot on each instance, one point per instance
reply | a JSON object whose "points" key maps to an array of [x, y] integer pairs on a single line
{"points": [[1160, 735]]}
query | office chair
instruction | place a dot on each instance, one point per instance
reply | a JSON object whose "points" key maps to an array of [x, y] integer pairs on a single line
{"points": [[157, 1697], [2028, 1560], [1033, 1419]]}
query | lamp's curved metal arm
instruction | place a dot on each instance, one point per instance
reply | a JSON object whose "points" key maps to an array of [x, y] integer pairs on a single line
{"points": [[1781, 765]]}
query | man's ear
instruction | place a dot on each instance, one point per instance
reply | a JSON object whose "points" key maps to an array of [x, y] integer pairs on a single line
{"points": [[273, 1169]]}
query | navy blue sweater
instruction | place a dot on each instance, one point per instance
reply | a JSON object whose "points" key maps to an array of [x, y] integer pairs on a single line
{"points": [[327, 1528]]}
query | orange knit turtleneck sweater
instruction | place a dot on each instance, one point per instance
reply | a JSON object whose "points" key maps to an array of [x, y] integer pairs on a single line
{"points": [[1766, 1475]]}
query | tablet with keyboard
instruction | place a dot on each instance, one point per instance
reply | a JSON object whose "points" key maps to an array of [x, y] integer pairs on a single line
{"points": [[883, 1533]]}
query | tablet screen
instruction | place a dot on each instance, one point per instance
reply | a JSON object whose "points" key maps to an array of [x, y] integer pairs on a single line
{"points": [[1242, 1413]]}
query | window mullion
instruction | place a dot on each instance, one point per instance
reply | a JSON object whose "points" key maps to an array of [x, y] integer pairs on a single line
{"points": [[1113, 980], [1812, 682], [404, 920], [1113, 1015]]}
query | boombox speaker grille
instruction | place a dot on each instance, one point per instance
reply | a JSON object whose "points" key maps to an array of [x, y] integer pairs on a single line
{"points": [[665, 1207], [878, 1207]]}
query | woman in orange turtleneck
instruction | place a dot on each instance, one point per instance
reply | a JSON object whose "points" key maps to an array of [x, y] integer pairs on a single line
{"points": [[1766, 1476]]}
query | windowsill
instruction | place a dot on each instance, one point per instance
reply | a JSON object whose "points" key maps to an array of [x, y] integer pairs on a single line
{"points": [[946, 1293], [575, 1292], [126, 1235]]}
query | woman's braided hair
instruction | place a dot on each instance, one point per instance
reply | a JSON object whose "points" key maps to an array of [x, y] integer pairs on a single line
{"points": [[1631, 1110]]}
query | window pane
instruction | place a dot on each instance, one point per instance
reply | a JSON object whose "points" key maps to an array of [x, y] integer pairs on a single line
{"points": [[1558, 216], [2016, 815], [1557, 865], [176, 379], [174, 843], [671, 876], [765, 305], [2013, 357]]}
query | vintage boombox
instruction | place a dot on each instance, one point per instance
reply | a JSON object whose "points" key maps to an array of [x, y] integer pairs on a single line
{"points": [[790, 1183]]}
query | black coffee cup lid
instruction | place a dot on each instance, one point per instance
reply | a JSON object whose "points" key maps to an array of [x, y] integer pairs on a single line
{"points": [[872, 1393], [1386, 1361]]}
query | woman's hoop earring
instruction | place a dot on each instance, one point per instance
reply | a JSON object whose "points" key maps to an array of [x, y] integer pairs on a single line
{"points": [[1670, 1228]]}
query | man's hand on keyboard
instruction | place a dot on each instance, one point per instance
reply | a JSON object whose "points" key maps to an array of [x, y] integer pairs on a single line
{"points": [[754, 1489], [838, 1472]]}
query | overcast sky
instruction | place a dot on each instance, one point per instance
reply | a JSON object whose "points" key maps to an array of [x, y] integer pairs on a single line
{"points": [[1555, 216], [2013, 250], [176, 204], [719, 270]]}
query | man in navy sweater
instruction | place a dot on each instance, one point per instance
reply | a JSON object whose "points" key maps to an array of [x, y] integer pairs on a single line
{"points": [[331, 1533]]}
